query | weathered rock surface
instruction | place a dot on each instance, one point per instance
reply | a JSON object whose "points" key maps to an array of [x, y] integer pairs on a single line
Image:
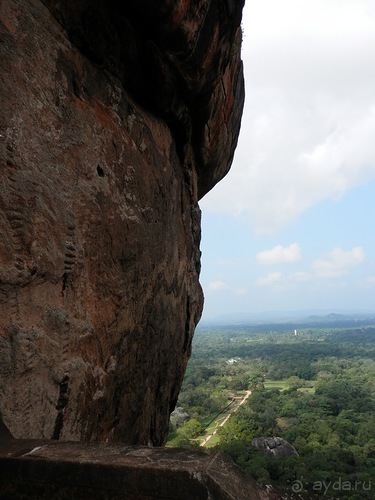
{"points": [[274, 446], [115, 117], [46, 469]]}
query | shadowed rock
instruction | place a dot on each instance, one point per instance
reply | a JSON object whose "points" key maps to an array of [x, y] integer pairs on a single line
{"points": [[38, 469]]}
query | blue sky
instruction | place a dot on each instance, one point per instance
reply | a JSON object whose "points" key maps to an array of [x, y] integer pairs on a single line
{"points": [[291, 226]]}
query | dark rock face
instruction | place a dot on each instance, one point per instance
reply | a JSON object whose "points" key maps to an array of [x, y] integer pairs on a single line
{"points": [[115, 117], [274, 446], [180, 59]]}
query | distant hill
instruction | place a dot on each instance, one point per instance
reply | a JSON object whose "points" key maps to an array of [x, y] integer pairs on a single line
{"points": [[298, 317]]}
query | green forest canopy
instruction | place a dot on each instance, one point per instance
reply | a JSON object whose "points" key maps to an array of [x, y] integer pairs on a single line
{"points": [[312, 384]]}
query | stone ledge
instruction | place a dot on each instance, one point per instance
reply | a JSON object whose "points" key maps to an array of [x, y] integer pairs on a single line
{"points": [[37, 469]]}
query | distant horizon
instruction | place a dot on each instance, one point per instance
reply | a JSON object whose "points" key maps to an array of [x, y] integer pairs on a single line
{"points": [[274, 315]]}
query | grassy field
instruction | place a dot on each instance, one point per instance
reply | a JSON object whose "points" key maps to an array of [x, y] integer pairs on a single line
{"points": [[276, 384], [306, 389], [212, 442], [282, 385]]}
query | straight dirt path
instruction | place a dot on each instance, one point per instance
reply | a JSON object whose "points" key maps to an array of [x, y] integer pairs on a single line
{"points": [[207, 438]]}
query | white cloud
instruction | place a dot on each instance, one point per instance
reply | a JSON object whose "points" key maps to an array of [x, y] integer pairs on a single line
{"points": [[214, 286], [338, 262], [241, 291], [270, 279], [307, 129], [280, 254], [370, 280]]}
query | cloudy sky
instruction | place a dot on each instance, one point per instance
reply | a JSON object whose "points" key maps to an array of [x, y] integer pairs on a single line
{"points": [[291, 227]]}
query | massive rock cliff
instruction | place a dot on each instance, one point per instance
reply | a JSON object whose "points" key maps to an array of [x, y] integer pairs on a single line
{"points": [[115, 118]]}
